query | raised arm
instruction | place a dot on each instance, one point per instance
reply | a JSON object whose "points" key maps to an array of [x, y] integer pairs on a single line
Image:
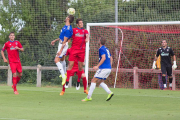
{"points": [[53, 42]]}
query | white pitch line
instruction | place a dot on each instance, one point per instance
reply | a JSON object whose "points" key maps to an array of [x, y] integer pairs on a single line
{"points": [[13, 119], [100, 93]]}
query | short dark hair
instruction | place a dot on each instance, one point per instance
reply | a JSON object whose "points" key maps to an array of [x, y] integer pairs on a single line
{"points": [[102, 40], [71, 18], [164, 40], [11, 33], [77, 20]]}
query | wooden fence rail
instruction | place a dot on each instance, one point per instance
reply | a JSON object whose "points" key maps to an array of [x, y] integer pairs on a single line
{"points": [[135, 72]]}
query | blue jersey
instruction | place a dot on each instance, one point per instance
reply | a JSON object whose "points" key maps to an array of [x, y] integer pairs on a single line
{"points": [[107, 63], [66, 32]]}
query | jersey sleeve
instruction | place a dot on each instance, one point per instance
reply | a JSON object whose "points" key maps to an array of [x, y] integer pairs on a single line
{"points": [[86, 32], [101, 52], [20, 45], [171, 52], [157, 53], [4, 47], [68, 33]]}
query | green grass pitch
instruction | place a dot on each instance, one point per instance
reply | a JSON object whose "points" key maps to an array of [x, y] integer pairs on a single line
{"points": [[45, 103]]}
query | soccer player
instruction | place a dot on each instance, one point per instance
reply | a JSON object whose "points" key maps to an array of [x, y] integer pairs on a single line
{"points": [[65, 35], [13, 47], [75, 70], [79, 38], [166, 52], [103, 70]]}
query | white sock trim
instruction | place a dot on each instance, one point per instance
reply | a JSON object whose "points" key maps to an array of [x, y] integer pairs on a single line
{"points": [[91, 89], [60, 67], [105, 87]]}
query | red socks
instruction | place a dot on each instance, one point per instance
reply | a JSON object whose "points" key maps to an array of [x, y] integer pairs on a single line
{"points": [[63, 88], [68, 75], [79, 74], [14, 83], [18, 79], [84, 83]]}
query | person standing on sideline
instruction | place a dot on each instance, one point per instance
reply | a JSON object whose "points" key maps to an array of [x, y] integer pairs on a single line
{"points": [[13, 47], [103, 70], [65, 35], [166, 67]]}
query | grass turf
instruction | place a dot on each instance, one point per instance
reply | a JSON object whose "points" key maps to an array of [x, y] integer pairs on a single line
{"points": [[45, 103]]}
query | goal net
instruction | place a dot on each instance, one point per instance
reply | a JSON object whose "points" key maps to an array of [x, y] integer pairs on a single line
{"points": [[132, 45]]}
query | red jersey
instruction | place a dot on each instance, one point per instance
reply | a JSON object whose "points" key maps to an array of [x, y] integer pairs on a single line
{"points": [[78, 38], [13, 54], [75, 66]]}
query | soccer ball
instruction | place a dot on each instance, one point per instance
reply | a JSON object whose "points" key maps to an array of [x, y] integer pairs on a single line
{"points": [[71, 11]]}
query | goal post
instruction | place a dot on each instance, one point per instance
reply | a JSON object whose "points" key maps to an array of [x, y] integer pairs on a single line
{"points": [[155, 31]]}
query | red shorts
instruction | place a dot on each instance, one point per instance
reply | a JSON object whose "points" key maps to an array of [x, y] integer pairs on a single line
{"points": [[75, 71], [16, 66], [77, 55]]}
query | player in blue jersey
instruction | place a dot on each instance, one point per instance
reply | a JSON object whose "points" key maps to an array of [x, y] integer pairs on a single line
{"points": [[64, 36], [103, 70]]}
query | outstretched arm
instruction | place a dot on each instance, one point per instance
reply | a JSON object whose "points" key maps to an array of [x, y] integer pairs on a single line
{"points": [[53, 42]]}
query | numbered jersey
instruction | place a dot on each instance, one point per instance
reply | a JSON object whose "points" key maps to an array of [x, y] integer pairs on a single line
{"points": [[107, 63]]}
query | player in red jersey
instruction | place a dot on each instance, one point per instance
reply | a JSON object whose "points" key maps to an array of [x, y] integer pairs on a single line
{"points": [[75, 70], [13, 47], [79, 38]]}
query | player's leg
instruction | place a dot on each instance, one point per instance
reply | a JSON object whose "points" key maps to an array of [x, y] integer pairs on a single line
{"points": [[63, 90], [80, 57], [161, 85], [169, 73], [19, 70], [103, 74], [69, 74], [63, 62], [70, 66], [84, 82], [163, 70], [14, 79], [59, 65], [91, 89]]}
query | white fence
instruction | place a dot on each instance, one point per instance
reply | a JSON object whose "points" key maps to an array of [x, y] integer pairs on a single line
{"points": [[135, 72]]}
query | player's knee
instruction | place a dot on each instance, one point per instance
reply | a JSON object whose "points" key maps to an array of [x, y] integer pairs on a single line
{"points": [[20, 75], [170, 76], [163, 75], [15, 74], [83, 75]]}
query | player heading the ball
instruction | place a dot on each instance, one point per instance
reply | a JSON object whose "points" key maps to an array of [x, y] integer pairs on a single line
{"points": [[65, 35]]}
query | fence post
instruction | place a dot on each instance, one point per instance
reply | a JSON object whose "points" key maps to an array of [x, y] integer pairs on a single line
{"points": [[70, 82], [174, 81], [135, 73], [38, 76], [9, 77]]}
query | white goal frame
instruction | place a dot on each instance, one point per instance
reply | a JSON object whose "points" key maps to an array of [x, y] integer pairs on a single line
{"points": [[117, 24]]}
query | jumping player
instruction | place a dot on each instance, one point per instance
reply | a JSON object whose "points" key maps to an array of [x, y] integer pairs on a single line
{"points": [[79, 38], [73, 71], [65, 35], [166, 66], [13, 47], [103, 70]]}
